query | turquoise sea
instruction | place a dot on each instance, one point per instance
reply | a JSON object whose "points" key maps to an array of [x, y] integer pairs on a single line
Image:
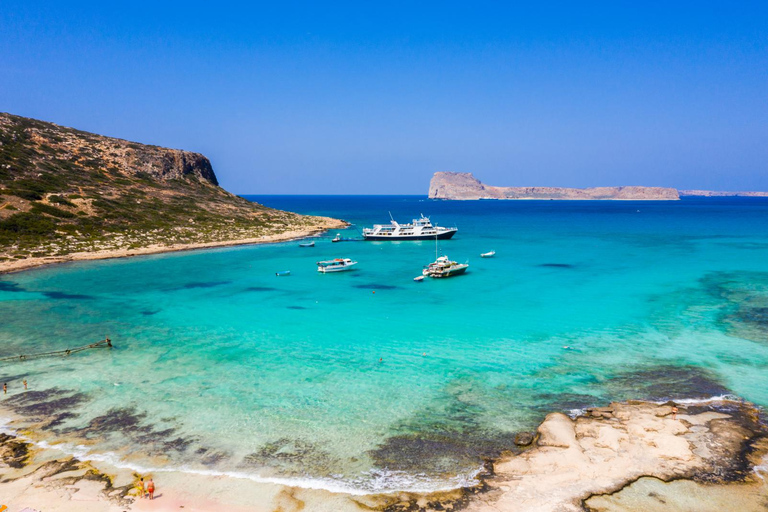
{"points": [[367, 381]]}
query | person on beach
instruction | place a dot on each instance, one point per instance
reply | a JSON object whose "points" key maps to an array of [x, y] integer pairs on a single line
{"points": [[25, 383], [140, 488], [674, 412], [5, 388], [151, 488]]}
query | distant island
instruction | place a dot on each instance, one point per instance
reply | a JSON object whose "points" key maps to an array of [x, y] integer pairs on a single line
{"points": [[67, 194], [464, 186]]}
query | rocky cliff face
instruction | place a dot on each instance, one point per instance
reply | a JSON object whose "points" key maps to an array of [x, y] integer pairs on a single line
{"points": [[28, 145], [464, 186]]}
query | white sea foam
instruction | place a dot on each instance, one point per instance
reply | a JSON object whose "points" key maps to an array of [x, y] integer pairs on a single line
{"points": [[575, 413], [761, 470], [698, 401], [377, 481]]}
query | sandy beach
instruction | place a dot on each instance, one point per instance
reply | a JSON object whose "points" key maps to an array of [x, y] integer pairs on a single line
{"points": [[323, 223], [623, 457]]}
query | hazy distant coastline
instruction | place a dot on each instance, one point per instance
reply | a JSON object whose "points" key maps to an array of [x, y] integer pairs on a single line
{"points": [[720, 193]]}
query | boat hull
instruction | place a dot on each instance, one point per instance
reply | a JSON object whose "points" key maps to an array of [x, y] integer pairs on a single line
{"points": [[326, 270], [445, 235], [448, 273]]}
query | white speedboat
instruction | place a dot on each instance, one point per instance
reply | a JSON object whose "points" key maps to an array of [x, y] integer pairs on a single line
{"points": [[443, 267], [308, 244], [489, 254], [337, 265], [418, 229]]}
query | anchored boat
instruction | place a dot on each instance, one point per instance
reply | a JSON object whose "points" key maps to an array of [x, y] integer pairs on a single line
{"points": [[340, 238], [443, 267], [418, 229], [307, 244], [337, 265], [489, 254]]}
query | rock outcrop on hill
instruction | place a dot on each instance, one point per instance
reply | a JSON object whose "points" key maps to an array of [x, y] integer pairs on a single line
{"points": [[65, 192], [463, 185]]}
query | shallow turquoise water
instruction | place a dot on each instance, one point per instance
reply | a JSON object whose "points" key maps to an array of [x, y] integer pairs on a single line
{"points": [[221, 366]]}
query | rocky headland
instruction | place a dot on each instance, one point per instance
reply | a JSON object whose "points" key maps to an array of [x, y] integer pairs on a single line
{"points": [[67, 194], [628, 456], [464, 186]]}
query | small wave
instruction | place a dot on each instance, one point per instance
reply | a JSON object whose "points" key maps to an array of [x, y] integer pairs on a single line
{"points": [[575, 413], [698, 401], [375, 481]]}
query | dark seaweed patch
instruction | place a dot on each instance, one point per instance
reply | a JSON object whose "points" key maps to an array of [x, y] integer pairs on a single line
{"points": [[10, 286], [179, 444], [125, 419], [376, 286], [563, 402], [444, 438], [69, 296], [149, 312], [54, 406], [665, 382], [556, 265], [129, 422], [45, 403], [260, 289], [203, 284], [292, 456], [743, 298], [209, 457]]}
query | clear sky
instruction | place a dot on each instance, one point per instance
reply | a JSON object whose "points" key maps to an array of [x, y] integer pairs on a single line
{"points": [[359, 98]]}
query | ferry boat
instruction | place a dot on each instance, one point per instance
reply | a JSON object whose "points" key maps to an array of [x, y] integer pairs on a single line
{"points": [[443, 267], [337, 265], [418, 229]]}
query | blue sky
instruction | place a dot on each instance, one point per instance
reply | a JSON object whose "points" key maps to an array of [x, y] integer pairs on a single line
{"points": [[359, 98]]}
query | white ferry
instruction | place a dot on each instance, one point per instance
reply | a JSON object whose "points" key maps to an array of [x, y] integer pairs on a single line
{"points": [[337, 265], [418, 229]]}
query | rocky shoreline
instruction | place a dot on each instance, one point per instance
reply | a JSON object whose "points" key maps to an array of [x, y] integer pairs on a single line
{"points": [[632, 455]]}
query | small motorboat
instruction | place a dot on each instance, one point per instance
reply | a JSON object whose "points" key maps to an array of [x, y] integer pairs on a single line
{"points": [[489, 254], [340, 238], [337, 265], [307, 244], [418, 279], [283, 273]]}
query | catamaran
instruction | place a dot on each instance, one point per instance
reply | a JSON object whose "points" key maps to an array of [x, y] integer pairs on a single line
{"points": [[418, 229]]}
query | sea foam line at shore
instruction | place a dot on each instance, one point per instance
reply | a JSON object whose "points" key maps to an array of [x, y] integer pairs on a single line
{"points": [[379, 481]]}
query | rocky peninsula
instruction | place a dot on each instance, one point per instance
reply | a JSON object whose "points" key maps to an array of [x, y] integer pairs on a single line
{"points": [[627, 456], [67, 195], [464, 186]]}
